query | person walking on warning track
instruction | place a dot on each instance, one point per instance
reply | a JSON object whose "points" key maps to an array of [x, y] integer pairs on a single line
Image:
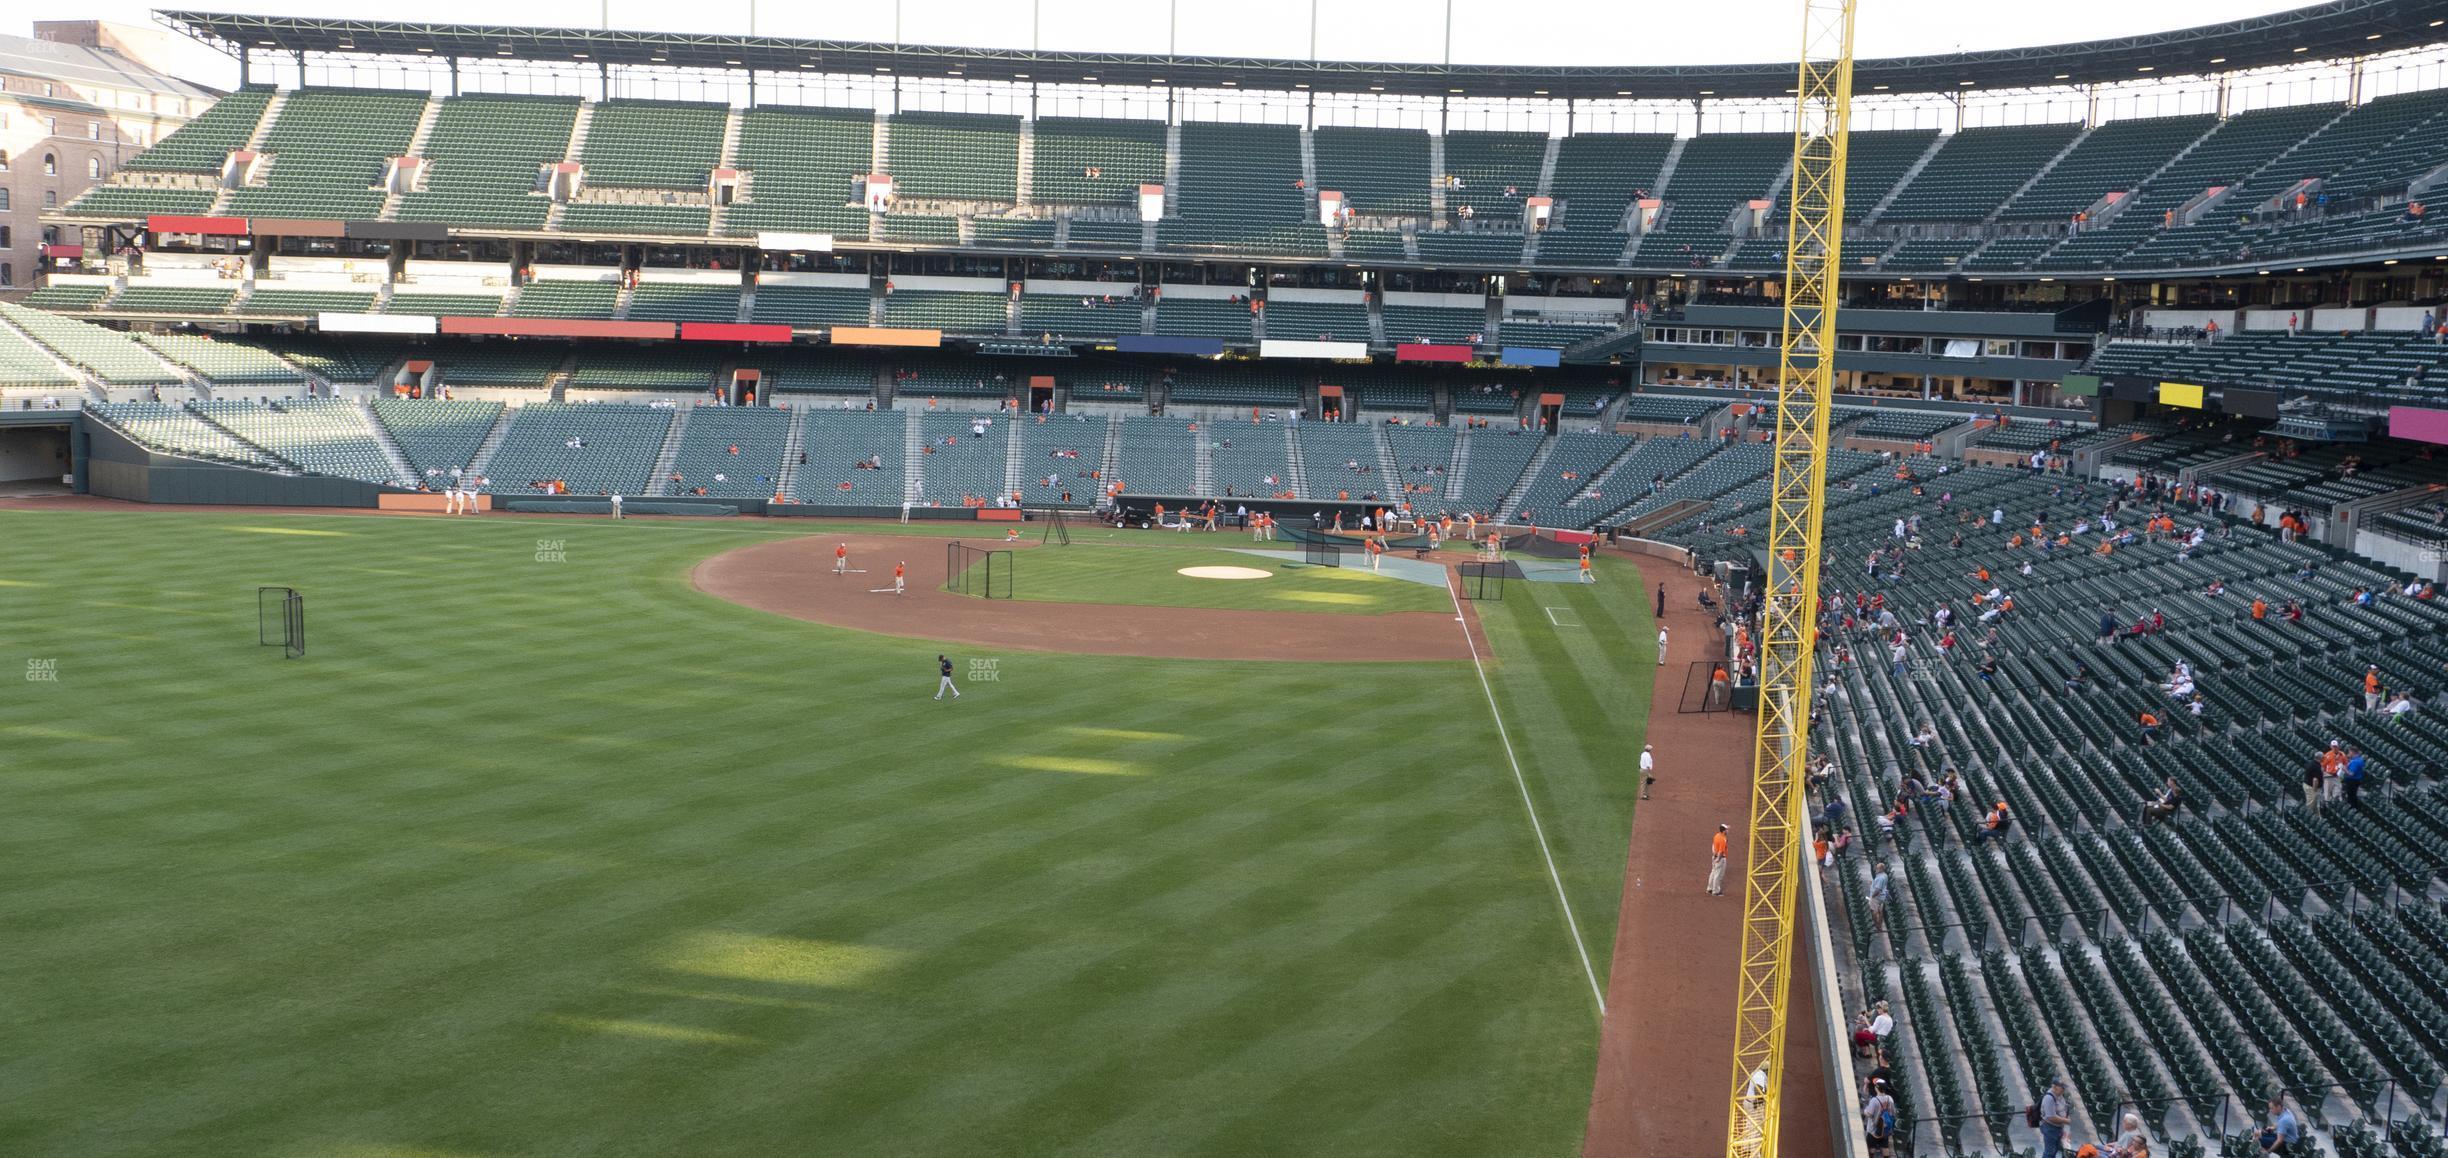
{"points": [[1661, 646], [1717, 862], [1376, 551], [900, 575], [841, 558], [1648, 765], [1661, 610], [943, 665]]}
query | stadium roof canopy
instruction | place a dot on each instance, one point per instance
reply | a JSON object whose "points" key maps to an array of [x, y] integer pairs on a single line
{"points": [[2334, 29]]}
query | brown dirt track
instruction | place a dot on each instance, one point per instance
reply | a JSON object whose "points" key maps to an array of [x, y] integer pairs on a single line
{"points": [[794, 577], [1663, 1074]]}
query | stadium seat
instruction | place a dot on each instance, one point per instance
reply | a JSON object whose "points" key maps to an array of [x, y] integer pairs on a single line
{"points": [[435, 435], [328, 149], [837, 441], [1414, 323], [1976, 170], [655, 301], [195, 149], [482, 158], [799, 165], [955, 156], [547, 298], [109, 354], [1124, 155], [809, 306], [324, 436], [1378, 171], [614, 451], [233, 363], [1315, 321], [650, 144], [1487, 164], [707, 442]]}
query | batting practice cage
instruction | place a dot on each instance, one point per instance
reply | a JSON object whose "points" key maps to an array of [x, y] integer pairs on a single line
{"points": [[280, 618], [1485, 582], [1319, 552], [977, 571]]}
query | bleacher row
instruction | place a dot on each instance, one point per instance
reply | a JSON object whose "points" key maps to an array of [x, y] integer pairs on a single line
{"points": [[1242, 190], [813, 307], [41, 351], [2369, 368], [1573, 480], [2185, 968]]}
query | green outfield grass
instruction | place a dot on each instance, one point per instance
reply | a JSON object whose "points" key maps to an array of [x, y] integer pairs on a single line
{"points": [[1147, 572], [540, 852]]}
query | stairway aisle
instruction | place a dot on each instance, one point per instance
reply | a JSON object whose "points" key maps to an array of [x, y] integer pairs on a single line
{"points": [[659, 483]]}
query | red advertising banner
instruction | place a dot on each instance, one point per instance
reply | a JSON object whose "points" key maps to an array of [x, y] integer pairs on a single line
{"points": [[733, 332], [1431, 352], [215, 226]]}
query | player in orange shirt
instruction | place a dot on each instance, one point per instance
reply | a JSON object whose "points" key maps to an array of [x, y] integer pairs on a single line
{"points": [[900, 572], [841, 558], [1717, 862]]}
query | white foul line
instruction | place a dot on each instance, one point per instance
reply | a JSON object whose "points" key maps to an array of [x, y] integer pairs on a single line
{"points": [[1570, 924]]}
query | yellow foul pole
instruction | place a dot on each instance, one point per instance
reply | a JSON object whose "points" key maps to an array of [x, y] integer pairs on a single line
{"points": [[1798, 487]]}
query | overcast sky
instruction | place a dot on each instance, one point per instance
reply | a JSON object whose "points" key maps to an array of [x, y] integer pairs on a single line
{"points": [[1577, 32]]}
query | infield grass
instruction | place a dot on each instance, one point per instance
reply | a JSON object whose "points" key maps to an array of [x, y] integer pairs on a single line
{"points": [[540, 852], [1149, 574]]}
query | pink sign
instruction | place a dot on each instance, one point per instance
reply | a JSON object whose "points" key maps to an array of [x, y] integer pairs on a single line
{"points": [[2418, 424]]}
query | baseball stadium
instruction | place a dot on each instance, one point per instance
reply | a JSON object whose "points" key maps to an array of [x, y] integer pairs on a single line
{"points": [[595, 591]]}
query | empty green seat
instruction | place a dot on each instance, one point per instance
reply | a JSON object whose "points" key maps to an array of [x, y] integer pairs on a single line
{"points": [[327, 152], [482, 159]]}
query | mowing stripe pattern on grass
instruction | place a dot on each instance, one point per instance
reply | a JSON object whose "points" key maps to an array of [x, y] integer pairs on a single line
{"points": [[540, 852]]}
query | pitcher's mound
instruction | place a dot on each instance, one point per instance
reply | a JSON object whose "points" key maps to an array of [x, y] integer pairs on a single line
{"points": [[1225, 573]]}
